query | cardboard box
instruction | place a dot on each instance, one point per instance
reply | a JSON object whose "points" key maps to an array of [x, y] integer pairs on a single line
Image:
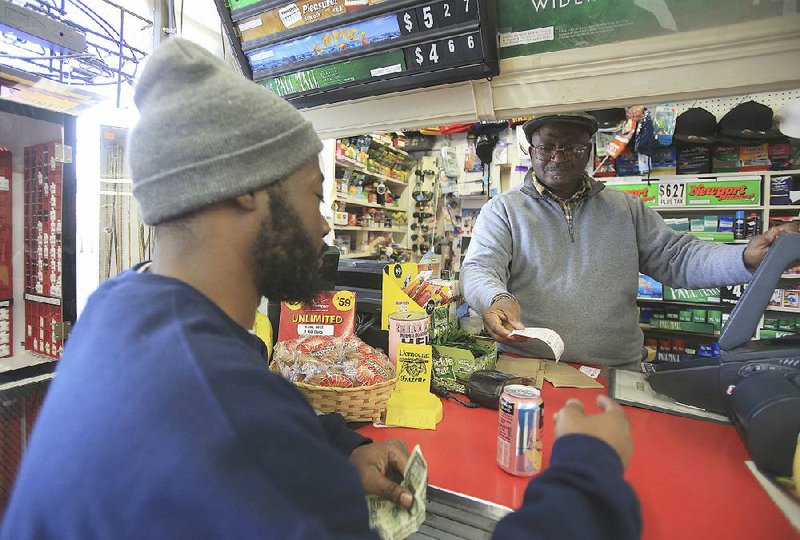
{"points": [[452, 366], [699, 315], [699, 328], [786, 325], [714, 316], [771, 334], [771, 324]]}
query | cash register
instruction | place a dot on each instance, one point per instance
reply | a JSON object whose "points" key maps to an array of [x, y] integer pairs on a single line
{"points": [[755, 383]]}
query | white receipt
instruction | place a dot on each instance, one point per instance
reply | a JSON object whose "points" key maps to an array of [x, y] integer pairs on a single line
{"points": [[549, 337], [592, 372]]}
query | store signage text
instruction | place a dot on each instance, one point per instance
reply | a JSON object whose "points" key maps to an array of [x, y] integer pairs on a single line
{"points": [[340, 38], [722, 193], [557, 4]]}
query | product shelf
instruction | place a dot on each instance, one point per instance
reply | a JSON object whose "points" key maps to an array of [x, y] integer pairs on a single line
{"points": [[374, 229], [390, 147], [648, 328], [347, 162], [708, 208], [370, 205], [683, 303], [783, 309]]}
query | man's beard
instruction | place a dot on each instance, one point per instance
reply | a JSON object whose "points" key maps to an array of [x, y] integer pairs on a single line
{"points": [[287, 263]]}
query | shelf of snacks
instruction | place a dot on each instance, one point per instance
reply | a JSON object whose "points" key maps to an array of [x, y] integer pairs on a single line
{"points": [[374, 228], [384, 142], [363, 168], [367, 204], [371, 202]]}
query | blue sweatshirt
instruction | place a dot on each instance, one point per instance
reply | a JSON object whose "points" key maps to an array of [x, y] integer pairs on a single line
{"points": [[163, 422]]}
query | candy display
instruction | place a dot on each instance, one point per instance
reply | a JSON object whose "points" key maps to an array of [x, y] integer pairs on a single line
{"points": [[341, 362]]}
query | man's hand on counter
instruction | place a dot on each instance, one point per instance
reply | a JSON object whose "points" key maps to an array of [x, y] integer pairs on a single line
{"points": [[379, 464], [610, 426], [502, 318]]}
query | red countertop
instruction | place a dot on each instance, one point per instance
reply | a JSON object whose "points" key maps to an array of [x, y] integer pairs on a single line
{"points": [[689, 474]]}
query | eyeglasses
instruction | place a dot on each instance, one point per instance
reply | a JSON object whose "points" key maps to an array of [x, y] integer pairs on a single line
{"points": [[569, 151]]}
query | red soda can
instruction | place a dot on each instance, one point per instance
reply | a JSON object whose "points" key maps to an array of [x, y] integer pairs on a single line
{"points": [[519, 441]]}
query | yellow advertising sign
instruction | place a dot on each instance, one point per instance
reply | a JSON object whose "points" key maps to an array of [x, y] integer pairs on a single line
{"points": [[396, 278], [412, 404]]}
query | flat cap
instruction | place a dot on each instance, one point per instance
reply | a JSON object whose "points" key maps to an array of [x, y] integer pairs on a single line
{"points": [[589, 123]]}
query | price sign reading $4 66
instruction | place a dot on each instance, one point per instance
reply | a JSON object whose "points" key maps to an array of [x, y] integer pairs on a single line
{"points": [[671, 194]]}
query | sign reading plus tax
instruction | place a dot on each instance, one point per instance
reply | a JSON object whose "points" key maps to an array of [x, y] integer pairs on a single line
{"points": [[351, 51]]}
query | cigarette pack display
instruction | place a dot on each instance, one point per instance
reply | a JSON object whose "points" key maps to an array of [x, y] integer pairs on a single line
{"points": [[43, 172], [6, 329], [6, 253], [43, 321]]}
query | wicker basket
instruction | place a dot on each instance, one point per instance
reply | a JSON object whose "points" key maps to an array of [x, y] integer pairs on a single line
{"points": [[357, 404]]}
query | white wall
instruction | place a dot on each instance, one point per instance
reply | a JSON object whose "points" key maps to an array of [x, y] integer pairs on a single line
{"points": [[731, 60]]}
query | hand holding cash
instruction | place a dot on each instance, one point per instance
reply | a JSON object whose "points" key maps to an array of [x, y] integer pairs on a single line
{"points": [[392, 522]]}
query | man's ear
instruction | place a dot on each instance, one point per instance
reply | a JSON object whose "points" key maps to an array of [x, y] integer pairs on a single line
{"points": [[247, 201]]}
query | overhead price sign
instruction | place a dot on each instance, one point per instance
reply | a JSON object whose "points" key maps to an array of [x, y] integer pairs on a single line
{"points": [[324, 51]]}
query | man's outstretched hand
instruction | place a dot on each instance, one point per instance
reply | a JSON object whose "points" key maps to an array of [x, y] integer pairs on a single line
{"points": [[502, 318], [758, 246], [610, 426]]}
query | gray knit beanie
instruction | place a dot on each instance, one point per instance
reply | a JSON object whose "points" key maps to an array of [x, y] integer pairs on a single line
{"points": [[207, 134]]}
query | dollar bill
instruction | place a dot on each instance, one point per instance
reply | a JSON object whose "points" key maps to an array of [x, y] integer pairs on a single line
{"points": [[391, 521]]}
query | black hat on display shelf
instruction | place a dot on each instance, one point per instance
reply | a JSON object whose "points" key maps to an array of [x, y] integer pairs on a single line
{"points": [[749, 123], [608, 118], [696, 126], [589, 123]]}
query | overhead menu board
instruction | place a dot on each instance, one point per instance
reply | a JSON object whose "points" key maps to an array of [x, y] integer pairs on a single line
{"points": [[315, 52]]}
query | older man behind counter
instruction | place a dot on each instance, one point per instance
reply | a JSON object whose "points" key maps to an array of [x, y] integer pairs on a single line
{"points": [[563, 252]]}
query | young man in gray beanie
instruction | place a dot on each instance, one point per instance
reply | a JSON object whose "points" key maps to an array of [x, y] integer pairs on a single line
{"points": [[162, 421]]}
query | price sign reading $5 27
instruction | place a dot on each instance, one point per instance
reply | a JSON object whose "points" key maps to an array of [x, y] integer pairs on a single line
{"points": [[671, 194], [436, 15]]}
